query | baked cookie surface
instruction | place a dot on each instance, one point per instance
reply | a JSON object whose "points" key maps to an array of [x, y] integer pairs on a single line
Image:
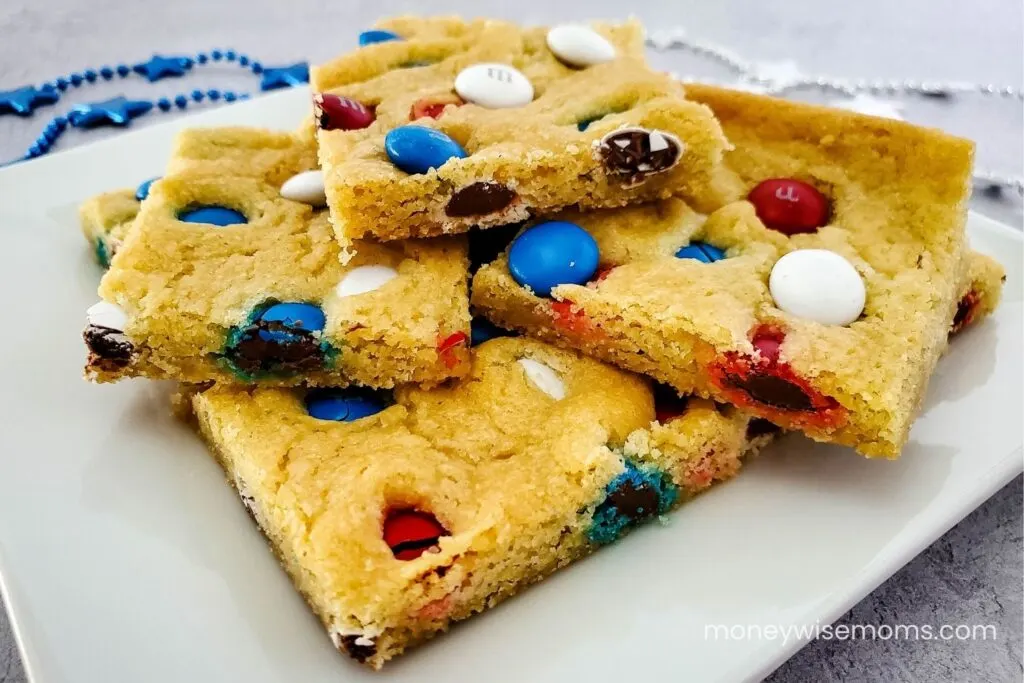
{"points": [[106, 219], [399, 513], [820, 299], [452, 124], [231, 272]]}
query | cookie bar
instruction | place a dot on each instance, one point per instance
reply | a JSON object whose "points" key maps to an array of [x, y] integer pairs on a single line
{"points": [[819, 300], [451, 124], [398, 513], [232, 272], [105, 220], [980, 291]]}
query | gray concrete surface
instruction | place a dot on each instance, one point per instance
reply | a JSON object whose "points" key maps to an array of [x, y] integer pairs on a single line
{"points": [[973, 574]]}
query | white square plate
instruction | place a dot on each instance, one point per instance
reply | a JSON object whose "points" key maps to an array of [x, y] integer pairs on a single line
{"points": [[125, 556]]}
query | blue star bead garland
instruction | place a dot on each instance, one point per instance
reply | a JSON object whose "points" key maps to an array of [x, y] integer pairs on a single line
{"points": [[275, 77], [22, 101], [117, 111], [120, 111], [161, 67]]}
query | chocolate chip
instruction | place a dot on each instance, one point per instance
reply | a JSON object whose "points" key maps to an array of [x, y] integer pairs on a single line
{"points": [[480, 199], [774, 391], [760, 427], [358, 651], [637, 153], [964, 308], [272, 347], [108, 348], [414, 547], [632, 501]]}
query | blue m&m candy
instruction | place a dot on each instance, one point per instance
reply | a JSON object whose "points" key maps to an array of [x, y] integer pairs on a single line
{"points": [[142, 191], [551, 254], [377, 36], [290, 316], [417, 149], [344, 405], [701, 251], [213, 215]]}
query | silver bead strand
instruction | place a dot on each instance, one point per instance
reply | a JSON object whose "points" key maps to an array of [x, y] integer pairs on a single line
{"points": [[989, 180], [675, 39]]}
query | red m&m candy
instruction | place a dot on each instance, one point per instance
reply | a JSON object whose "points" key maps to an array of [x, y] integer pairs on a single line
{"points": [[410, 533], [768, 341], [446, 347], [334, 112], [789, 206], [433, 107]]}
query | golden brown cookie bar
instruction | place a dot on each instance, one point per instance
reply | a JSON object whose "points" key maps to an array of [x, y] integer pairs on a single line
{"points": [[609, 134], [224, 278], [105, 220], [980, 291], [838, 342], [398, 514]]}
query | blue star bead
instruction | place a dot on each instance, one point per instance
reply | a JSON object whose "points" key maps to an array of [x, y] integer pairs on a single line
{"points": [[117, 111], [275, 77], [161, 67], [22, 101]]}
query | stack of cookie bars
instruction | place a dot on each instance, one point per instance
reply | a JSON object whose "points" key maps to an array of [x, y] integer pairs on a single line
{"points": [[693, 271]]}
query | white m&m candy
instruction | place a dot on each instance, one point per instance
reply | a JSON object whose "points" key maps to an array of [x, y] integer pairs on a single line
{"points": [[306, 187], [495, 86], [106, 314], [364, 279], [543, 377], [818, 285], [579, 45]]}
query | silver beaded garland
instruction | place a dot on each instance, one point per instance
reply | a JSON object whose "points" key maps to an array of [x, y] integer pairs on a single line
{"points": [[676, 39]]}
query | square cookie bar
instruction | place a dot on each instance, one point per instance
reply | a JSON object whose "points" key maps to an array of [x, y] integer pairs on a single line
{"points": [[232, 272], [105, 220], [820, 300], [447, 124], [399, 513]]}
